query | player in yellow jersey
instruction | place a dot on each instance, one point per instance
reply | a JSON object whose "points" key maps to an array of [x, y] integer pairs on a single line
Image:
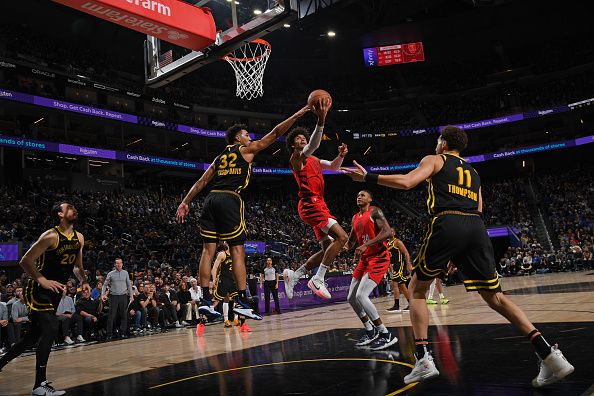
{"points": [[400, 260], [222, 217], [48, 263], [457, 232]]}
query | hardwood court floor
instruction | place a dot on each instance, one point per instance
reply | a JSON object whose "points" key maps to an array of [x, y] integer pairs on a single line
{"points": [[476, 351]]}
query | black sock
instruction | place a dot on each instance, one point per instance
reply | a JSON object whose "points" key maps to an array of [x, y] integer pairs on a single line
{"points": [[542, 347], [206, 296], [242, 295], [421, 345], [39, 376], [397, 304]]}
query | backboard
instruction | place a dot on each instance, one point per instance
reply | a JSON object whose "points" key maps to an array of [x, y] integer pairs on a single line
{"points": [[237, 21]]}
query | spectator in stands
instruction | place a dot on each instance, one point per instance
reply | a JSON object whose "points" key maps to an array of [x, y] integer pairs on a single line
{"points": [[90, 316], [195, 298], [19, 315], [96, 292], [64, 313], [588, 262], [155, 314], [153, 263], [138, 309], [8, 293], [3, 325], [184, 297], [121, 296], [170, 305]]}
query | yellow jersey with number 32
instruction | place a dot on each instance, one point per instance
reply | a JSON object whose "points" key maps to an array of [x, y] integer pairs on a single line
{"points": [[231, 171]]}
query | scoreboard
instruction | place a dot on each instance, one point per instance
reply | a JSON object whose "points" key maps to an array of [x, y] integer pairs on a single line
{"points": [[394, 54]]}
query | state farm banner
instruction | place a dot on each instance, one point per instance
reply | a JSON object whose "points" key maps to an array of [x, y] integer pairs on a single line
{"points": [[169, 20]]}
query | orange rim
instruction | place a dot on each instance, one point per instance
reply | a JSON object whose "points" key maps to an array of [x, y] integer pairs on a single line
{"points": [[229, 57]]}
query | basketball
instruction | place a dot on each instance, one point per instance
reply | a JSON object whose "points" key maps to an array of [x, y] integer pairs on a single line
{"points": [[316, 96]]}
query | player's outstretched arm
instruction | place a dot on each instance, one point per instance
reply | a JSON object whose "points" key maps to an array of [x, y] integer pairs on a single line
{"points": [[45, 241], [183, 209], [321, 111], [426, 169], [79, 270], [279, 130], [336, 163]]}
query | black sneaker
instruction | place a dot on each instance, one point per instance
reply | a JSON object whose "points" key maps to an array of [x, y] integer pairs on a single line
{"points": [[394, 309], [407, 309], [368, 337], [384, 341]]}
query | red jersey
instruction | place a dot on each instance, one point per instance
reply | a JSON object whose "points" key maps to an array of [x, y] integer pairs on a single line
{"points": [[365, 230], [310, 179]]}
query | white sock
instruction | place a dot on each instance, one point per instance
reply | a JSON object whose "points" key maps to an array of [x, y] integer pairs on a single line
{"points": [[441, 296], [382, 328], [368, 325], [300, 271], [226, 311], [321, 271]]}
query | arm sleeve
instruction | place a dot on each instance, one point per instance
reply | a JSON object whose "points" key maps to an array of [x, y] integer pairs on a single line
{"points": [[314, 141], [334, 165]]}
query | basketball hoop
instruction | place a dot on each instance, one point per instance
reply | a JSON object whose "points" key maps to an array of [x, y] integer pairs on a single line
{"points": [[249, 62]]}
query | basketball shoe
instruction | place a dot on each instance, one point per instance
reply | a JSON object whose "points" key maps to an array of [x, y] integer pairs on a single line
{"points": [[552, 369], [368, 337], [431, 301], [424, 369], [384, 341], [290, 282], [318, 286], [227, 324], [45, 389], [243, 308], [208, 311]]}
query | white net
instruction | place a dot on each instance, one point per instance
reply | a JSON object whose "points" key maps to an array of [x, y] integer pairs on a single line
{"points": [[249, 62]]}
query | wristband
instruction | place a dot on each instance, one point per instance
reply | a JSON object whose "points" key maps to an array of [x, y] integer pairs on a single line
{"points": [[371, 177]]}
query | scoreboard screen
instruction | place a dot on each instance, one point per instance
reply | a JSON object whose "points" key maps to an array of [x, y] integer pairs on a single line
{"points": [[394, 54]]}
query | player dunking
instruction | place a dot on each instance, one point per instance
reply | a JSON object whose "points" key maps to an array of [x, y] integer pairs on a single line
{"points": [[49, 263], [398, 255], [312, 209], [222, 217], [457, 232], [370, 230]]}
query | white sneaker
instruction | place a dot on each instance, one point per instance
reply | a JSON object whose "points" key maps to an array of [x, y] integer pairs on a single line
{"points": [[68, 340], [184, 323], [209, 311], [45, 389], [178, 325], [318, 286], [80, 339], [554, 368], [424, 369], [290, 281]]}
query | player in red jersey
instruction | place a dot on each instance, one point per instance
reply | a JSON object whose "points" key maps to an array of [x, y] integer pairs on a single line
{"points": [[307, 170], [370, 230]]}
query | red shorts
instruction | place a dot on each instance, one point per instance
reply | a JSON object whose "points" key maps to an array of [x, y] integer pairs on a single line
{"points": [[376, 266], [315, 213]]}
